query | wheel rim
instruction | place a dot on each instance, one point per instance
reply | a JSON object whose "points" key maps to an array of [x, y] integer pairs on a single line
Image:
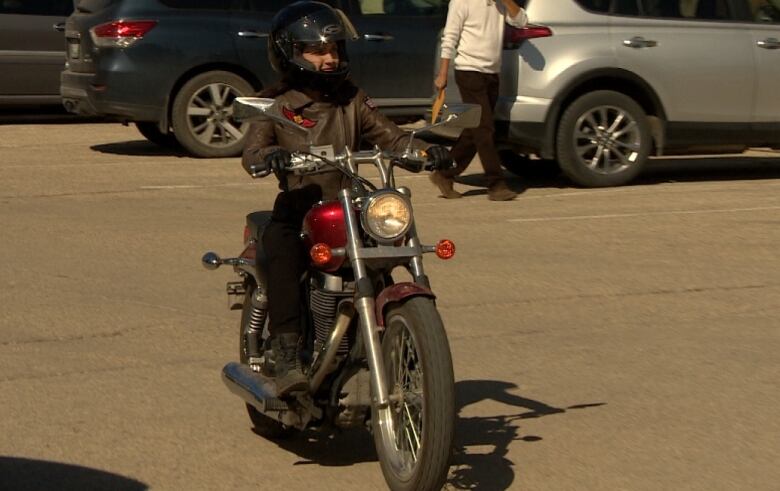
{"points": [[210, 115], [607, 140], [403, 419]]}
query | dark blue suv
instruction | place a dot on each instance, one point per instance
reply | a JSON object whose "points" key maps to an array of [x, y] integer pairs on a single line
{"points": [[174, 66]]}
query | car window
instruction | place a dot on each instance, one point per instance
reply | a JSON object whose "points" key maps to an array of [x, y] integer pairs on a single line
{"points": [[682, 9], [403, 7], [198, 4], [765, 11], [594, 5], [625, 7], [58, 8], [270, 6]]}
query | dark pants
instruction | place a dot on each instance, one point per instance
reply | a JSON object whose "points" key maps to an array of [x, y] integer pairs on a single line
{"points": [[287, 258], [478, 88]]}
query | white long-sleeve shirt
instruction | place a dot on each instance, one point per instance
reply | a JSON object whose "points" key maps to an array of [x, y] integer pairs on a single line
{"points": [[474, 34]]}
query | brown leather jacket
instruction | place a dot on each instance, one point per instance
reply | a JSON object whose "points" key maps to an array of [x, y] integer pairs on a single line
{"points": [[344, 121]]}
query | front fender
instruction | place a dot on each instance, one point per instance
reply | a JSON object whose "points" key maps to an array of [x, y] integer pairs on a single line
{"points": [[396, 293]]}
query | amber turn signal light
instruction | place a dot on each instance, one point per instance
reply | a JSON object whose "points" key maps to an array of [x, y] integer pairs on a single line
{"points": [[321, 254], [445, 249]]}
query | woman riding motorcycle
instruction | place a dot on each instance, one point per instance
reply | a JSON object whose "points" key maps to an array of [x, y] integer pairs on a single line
{"points": [[307, 46]]}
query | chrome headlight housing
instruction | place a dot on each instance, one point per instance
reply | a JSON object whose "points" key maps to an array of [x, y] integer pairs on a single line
{"points": [[386, 216]]}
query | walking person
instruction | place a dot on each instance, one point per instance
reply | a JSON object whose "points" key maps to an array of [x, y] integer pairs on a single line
{"points": [[473, 38]]}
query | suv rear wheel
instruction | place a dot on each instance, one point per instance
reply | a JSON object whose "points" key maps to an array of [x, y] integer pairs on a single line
{"points": [[202, 114], [603, 139]]}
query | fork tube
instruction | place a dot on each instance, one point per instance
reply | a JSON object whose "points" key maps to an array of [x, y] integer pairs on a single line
{"points": [[364, 304], [415, 263]]}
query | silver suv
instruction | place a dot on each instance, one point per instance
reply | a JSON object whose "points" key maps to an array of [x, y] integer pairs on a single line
{"points": [[599, 85]]}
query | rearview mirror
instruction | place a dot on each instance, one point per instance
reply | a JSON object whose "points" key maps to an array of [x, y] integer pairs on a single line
{"points": [[461, 115], [259, 108]]}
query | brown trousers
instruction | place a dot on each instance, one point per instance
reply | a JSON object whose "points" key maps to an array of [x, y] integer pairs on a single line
{"points": [[478, 88]]}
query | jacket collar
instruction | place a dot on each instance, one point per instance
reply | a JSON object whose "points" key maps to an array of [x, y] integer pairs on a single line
{"points": [[297, 99]]}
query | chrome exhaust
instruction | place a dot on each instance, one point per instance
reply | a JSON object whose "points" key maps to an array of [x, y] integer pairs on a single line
{"points": [[323, 364], [255, 390]]}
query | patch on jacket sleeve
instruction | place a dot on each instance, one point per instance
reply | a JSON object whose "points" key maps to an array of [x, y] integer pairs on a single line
{"points": [[369, 102], [298, 118]]}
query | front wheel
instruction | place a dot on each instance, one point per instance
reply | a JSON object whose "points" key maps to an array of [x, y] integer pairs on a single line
{"points": [[603, 139], [414, 435]]}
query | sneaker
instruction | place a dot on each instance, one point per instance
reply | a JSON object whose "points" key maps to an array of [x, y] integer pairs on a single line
{"points": [[500, 192], [445, 185], [284, 365]]}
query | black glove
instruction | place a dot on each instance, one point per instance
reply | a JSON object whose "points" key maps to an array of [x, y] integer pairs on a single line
{"points": [[278, 160], [440, 158]]}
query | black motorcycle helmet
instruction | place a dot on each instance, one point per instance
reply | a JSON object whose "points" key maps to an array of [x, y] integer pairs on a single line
{"points": [[309, 23]]}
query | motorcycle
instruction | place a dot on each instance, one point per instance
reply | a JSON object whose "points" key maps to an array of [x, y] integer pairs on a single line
{"points": [[375, 350]]}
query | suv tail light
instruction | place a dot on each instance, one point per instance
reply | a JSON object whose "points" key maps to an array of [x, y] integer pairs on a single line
{"points": [[120, 33], [516, 35]]}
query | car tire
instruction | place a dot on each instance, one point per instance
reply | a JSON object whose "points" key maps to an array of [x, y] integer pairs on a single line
{"points": [[603, 139], [202, 114], [151, 131]]}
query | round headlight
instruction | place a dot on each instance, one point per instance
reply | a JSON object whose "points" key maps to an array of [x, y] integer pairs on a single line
{"points": [[387, 216]]}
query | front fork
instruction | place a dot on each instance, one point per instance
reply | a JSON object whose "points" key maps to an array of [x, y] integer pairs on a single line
{"points": [[365, 297], [365, 304]]}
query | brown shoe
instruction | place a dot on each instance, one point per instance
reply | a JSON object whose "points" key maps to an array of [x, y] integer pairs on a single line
{"points": [[445, 185], [500, 192]]}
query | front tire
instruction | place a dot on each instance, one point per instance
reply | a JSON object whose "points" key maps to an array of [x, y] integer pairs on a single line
{"points": [[603, 139], [414, 435], [263, 425], [202, 115]]}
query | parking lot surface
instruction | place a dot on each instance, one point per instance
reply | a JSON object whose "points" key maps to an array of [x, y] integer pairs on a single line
{"points": [[623, 338]]}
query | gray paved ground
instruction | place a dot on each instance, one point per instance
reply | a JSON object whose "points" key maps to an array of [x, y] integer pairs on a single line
{"points": [[604, 339]]}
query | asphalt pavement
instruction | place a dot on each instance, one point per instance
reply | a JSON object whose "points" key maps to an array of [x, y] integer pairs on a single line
{"points": [[603, 339]]}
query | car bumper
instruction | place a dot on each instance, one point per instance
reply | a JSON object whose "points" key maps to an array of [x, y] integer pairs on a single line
{"points": [[520, 121], [82, 95]]}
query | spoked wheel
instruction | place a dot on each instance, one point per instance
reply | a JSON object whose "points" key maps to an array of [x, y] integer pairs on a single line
{"points": [[263, 425], [414, 435]]}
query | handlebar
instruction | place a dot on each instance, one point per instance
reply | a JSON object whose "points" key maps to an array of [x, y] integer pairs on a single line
{"points": [[308, 163]]}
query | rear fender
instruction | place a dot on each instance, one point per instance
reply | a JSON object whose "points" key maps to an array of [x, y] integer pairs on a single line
{"points": [[397, 293]]}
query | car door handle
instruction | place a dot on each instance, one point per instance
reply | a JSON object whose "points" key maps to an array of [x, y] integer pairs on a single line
{"points": [[378, 37], [769, 43], [59, 27], [639, 42], [252, 34]]}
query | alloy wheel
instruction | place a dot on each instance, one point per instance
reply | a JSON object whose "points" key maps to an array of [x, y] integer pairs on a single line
{"points": [[607, 139], [210, 115]]}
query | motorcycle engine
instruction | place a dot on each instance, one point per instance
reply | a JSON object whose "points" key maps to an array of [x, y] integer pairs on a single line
{"points": [[324, 306]]}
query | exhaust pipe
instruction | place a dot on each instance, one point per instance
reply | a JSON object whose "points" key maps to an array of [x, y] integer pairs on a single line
{"points": [[323, 365], [256, 391]]}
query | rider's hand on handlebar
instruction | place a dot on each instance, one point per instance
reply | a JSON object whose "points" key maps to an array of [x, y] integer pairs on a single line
{"points": [[278, 160], [439, 158]]}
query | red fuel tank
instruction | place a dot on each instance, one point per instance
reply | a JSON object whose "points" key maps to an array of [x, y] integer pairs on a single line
{"points": [[324, 223]]}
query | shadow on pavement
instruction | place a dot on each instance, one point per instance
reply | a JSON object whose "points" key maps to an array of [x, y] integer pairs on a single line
{"points": [[469, 470], [328, 449], [140, 148], [546, 174], [28, 474], [493, 470]]}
